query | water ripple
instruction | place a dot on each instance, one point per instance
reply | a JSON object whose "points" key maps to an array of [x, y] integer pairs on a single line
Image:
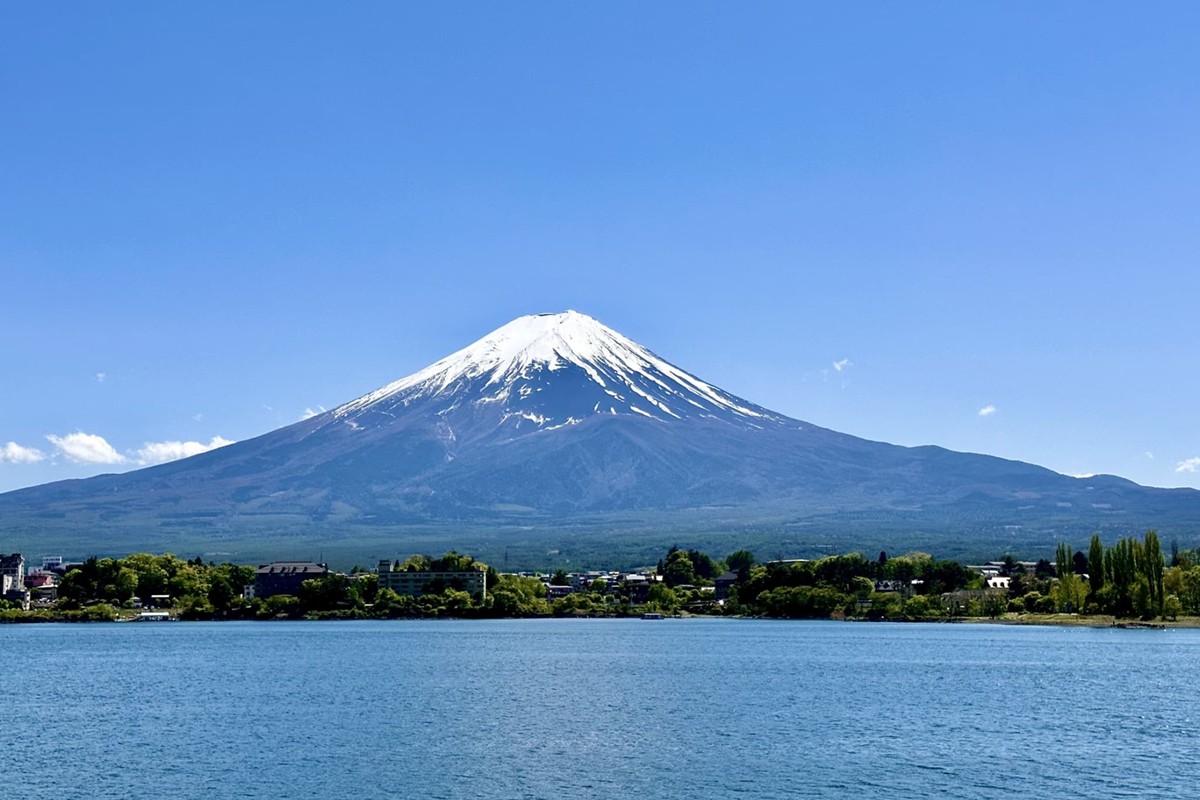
{"points": [[564, 708]]}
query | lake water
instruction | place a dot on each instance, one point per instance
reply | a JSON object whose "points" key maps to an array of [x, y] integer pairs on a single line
{"points": [[597, 708]]}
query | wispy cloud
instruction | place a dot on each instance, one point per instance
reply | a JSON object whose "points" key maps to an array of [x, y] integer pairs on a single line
{"points": [[987, 411], [101, 377], [1149, 455], [842, 365], [162, 452], [1189, 465], [309, 413], [86, 448], [14, 453]]}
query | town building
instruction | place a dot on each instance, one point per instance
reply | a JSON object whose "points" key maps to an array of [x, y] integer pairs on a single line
{"points": [[42, 587], [36, 580], [417, 583], [12, 580], [637, 587], [585, 581], [13, 566], [285, 577], [1000, 568], [725, 582]]}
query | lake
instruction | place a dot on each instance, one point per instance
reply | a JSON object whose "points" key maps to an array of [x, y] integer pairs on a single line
{"points": [[597, 708]]}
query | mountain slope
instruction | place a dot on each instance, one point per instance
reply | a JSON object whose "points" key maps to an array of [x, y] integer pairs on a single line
{"points": [[554, 421]]}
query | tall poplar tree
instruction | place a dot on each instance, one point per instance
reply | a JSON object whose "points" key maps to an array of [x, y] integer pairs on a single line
{"points": [[1152, 569], [1062, 560], [1096, 564], [1121, 571]]}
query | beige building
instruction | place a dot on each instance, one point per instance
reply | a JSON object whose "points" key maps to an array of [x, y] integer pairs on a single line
{"points": [[472, 581]]}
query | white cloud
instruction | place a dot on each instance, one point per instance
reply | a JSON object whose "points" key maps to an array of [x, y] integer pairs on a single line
{"points": [[843, 364], [1149, 455], [987, 411], [162, 452], [14, 453], [309, 413], [100, 377], [198, 417], [86, 448], [1190, 465]]}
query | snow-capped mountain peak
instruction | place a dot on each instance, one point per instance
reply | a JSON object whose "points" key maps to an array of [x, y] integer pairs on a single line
{"points": [[557, 369]]}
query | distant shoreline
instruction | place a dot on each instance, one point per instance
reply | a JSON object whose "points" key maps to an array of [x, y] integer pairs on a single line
{"points": [[1088, 621], [1030, 620]]}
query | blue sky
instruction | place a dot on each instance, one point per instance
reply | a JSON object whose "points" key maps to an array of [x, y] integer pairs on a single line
{"points": [[965, 224]]}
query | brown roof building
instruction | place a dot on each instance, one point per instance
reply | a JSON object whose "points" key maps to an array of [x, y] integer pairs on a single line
{"points": [[285, 577]]}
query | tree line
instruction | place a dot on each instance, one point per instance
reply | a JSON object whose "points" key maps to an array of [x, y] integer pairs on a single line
{"points": [[1129, 579]]}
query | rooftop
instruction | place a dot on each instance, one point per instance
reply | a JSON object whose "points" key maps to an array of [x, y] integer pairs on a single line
{"points": [[276, 567]]}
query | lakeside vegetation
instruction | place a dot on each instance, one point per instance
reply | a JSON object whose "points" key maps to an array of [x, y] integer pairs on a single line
{"points": [[1129, 580]]}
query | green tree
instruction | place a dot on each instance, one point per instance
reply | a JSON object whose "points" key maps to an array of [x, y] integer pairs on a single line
{"points": [[123, 586], [454, 562], [1152, 570], [1095, 564], [704, 568], [1142, 598], [221, 593], [367, 586], [678, 569], [1037, 603], [923, 607], [416, 563], [279, 605], [946, 576], [839, 572], [662, 597], [885, 605], [908, 567], [188, 581], [740, 561], [514, 595], [455, 602], [1070, 593], [1120, 570], [389, 604], [1189, 595], [1062, 560], [505, 603], [329, 592]]}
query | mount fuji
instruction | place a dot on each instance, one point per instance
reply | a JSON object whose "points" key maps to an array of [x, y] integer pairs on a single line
{"points": [[555, 425]]}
